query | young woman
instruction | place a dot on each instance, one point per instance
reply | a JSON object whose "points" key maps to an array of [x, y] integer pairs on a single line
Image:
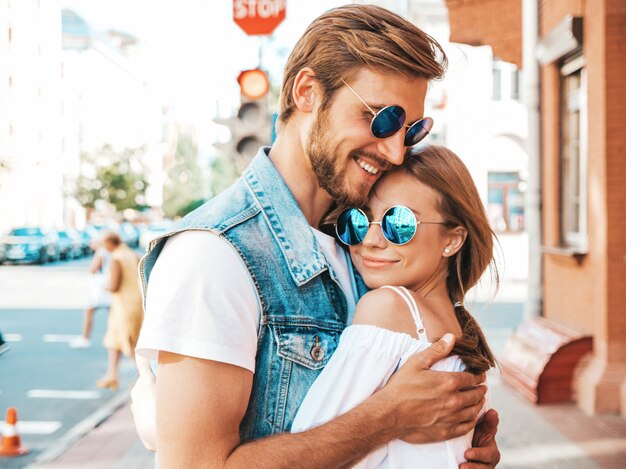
{"points": [[126, 313], [99, 296], [421, 242]]}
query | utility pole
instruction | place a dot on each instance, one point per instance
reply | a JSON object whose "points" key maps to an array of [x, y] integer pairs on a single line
{"points": [[530, 79]]}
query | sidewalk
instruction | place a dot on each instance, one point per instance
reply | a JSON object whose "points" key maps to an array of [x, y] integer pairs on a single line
{"points": [[555, 436], [113, 444]]}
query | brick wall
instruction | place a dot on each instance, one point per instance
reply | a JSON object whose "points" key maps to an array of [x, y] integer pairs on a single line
{"points": [[591, 295], [551, 12], [587, 293], [615, 56], [575, 289], [488, 22]]}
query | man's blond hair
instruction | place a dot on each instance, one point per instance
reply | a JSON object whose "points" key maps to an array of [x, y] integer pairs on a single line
{"points": [[345, 39]]}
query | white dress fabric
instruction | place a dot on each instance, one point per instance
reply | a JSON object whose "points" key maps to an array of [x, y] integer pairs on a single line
{"points": [[99, 297], [365, 359]]}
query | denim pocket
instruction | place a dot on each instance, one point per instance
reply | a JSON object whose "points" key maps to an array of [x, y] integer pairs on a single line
{"points": [[309, 346], [302, 351]]}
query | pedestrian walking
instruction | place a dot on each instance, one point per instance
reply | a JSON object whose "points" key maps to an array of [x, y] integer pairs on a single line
{"points": [[126, 312], [99, 296]]}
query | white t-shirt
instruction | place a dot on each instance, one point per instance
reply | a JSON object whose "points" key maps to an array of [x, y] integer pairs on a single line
{"points": [[201, 301]]}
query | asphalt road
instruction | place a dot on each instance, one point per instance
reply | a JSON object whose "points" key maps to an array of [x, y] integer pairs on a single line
{"points": [[51, 385]]}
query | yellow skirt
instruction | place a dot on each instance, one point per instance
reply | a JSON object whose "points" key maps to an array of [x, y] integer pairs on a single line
{"points": [[123, 326]]}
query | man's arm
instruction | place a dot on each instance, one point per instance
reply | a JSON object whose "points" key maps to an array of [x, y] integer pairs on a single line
{"points": [[96, 262], [200, 405], [115, 276]]}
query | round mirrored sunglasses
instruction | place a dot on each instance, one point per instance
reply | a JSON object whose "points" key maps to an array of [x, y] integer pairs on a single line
{"points": [[398, 225], [390, 119]]}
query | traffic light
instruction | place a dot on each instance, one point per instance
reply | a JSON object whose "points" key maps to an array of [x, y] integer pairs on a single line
{"points": [[251, 128]]}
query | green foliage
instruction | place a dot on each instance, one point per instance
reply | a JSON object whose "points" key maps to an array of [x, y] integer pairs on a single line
{"points": [[190, 207], [223, 173], [114, 177], [186, 186]]}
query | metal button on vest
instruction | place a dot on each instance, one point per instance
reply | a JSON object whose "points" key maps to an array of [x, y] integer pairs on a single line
{"points": [[317, 353]]}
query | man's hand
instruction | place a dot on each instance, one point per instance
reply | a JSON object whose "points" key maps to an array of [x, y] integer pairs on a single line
{"points": [[484, 452], [143, 403], [433, 406]]}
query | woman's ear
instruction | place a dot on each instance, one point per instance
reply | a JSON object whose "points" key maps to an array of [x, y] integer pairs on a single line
{"points": [[456, 239], [305, 91]]}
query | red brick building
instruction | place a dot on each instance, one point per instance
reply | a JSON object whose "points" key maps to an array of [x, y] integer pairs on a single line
{"points": [[583, 169]]}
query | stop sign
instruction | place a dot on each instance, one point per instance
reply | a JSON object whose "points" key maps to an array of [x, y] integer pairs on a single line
{"points": [[259, 17]]}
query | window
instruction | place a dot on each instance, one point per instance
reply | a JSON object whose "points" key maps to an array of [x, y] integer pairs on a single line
{"points": [[573, 155], [505, 202], [506, 81]]}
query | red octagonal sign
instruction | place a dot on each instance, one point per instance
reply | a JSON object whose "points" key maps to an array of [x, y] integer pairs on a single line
{"points": [[259, 17]]}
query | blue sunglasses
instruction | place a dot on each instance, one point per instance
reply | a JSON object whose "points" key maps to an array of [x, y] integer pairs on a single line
{"points": [[390, 119], [398, 225]]}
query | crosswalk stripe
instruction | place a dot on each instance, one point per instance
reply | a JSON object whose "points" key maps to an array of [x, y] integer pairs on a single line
{"points": [[59, 337], [12, 337], [34, 427], [62, 394]]}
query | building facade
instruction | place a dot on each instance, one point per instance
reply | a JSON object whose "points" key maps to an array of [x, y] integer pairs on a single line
{"points": [[583, 169], [66, 88], [31, 168]]}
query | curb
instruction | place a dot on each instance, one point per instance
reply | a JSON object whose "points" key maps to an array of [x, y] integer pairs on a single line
{"points": [[81, 429]]}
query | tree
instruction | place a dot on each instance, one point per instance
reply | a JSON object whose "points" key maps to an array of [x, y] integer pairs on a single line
{"points": [[114, 177], [186, 186], [223, 173]]}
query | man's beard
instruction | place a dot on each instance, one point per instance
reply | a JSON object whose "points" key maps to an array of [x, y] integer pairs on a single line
{"points": [[326, 164]]}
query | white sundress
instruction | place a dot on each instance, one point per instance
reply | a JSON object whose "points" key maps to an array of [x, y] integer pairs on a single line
{"points": [[365, 359]]}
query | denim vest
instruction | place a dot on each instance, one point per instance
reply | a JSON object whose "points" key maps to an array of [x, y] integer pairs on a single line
{"points": [[303, 309]]}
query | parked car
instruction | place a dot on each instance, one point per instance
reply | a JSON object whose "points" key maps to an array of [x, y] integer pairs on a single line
{"points": [[154, 230], [129, 234], [64, 245], [85, 242], [29, 244], [70, 244]]}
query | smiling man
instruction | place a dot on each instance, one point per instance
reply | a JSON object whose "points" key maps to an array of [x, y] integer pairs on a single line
{"points": [[246, 299]]}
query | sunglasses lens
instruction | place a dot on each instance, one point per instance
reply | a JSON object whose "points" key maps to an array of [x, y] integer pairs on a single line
{"points": [[351, 227], [388, 121], [399, 225], [418, 131]]}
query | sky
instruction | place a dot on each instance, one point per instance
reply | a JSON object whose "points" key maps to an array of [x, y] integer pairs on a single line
{"points": [[192, 51]]}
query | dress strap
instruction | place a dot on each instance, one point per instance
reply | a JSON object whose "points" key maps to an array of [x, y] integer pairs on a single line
{"points": [[410, 301]]}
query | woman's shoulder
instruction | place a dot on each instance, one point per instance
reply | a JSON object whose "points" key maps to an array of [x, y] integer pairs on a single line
{"points": [[384, 307], [379, 297]]}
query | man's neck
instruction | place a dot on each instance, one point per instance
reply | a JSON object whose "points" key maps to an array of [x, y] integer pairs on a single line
{"points": [[292, 163]]}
